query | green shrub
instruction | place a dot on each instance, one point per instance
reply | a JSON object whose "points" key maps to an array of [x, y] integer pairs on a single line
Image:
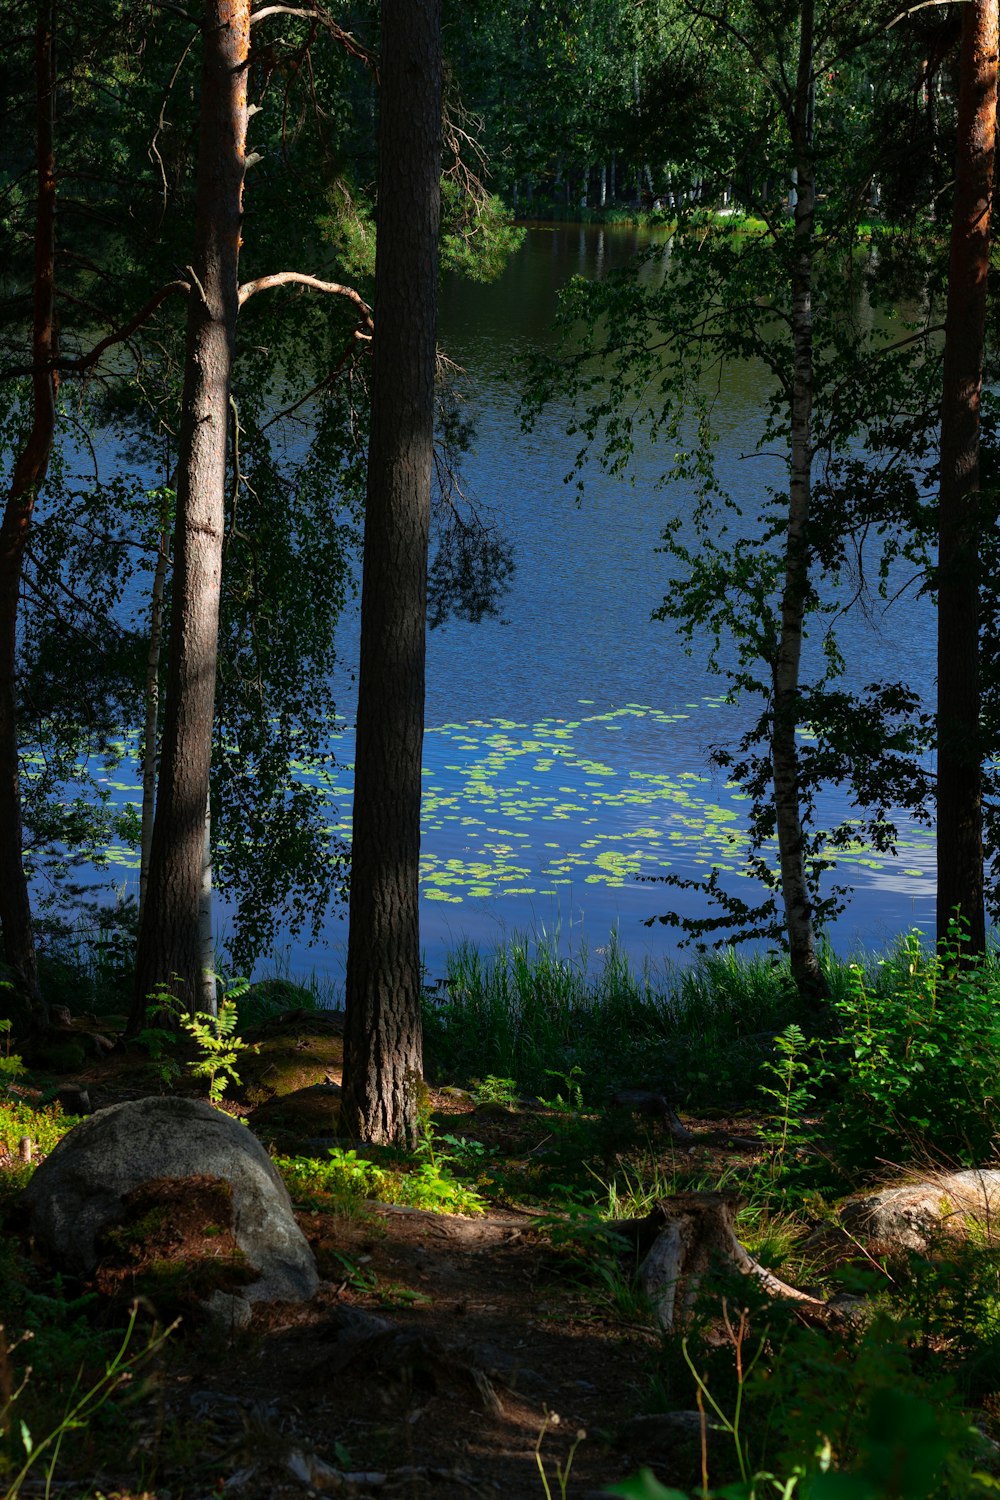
{"points": [[916, 1066]]}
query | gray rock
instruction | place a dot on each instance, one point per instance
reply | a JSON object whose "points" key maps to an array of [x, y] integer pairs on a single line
{"points": [[78, 1190], [674, 1435], [915, 1215]]}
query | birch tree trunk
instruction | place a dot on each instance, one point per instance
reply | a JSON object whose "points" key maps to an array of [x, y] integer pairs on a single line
{"points": [[786, 670], [383, 1058], [959, 751], [169, 951], [29, 474]]}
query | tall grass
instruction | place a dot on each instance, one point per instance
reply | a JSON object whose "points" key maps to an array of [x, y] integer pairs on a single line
{"points": [[527, 1012]]}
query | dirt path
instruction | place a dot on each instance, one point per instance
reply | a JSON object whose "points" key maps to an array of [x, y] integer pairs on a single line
{"points": [[486, 1336]]}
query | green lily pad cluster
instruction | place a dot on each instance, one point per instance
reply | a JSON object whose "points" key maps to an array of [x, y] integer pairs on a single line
{"points": [[521, 809]]}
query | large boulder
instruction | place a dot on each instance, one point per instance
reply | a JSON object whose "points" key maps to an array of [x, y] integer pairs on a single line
{"points": [[78, 1192]]}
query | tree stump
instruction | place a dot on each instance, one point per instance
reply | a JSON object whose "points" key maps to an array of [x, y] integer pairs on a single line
{"points": [[680, 1239]]}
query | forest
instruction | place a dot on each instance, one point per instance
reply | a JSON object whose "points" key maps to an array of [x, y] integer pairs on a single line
{"points": [[373, 383]]}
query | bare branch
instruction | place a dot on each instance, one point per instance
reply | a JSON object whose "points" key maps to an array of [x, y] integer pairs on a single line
{"points": [[905, 14], [318, 13], [118, 336], [299, 278]]}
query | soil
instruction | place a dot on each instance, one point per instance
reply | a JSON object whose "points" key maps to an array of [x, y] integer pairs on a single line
{"points": [[440, 1354]]}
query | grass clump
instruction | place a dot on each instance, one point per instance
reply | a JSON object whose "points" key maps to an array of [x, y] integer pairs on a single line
{"points": [[532, 1016]]}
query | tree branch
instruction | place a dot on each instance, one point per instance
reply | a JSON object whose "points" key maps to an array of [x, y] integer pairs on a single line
{"points": [[299, 278], [317, 13], [118, 336]]}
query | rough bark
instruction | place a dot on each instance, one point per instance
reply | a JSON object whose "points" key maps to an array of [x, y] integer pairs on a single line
{"points": [[382, 1047], [29, 474], [786, 671], [208, 994], [152, 717], [959, 776], [169, 951]]}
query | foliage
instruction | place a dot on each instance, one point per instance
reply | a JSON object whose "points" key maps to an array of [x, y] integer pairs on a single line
{"points": [[526, 1014], [915, 1070], [787, 1093], [890, 1434], [81, 1407], [216, 1040], [11, 1065], [214, 1037], [86, 957], [643, 352], [46, 1127], [345, 1179]]}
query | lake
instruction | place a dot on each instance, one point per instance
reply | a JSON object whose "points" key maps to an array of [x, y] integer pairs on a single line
{"points": [[567, 746]]}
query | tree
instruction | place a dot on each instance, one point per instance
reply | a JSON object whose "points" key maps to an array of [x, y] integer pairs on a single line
{"points": [[846, 408], [169, 950], [29, 475], [959, 745], [382, 1047]]}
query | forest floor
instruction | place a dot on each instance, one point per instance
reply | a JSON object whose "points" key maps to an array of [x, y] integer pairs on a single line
{"points": [[512, 1339]]}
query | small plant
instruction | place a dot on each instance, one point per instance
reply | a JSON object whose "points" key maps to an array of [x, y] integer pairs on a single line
{"points": [[214, 1036], [45, 1127], [916, 1067], [432, 1184], [570, 1081], [562, 1470], [80, 1408], [788, 1095], [216, 1039], [11, 1066], [493, 1090], [159, 1035]]}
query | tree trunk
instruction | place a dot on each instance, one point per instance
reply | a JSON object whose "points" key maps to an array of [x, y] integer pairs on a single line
{"points": [[208, 992], [169, 935], [152, 718], [28, 476], [784, 750], [383, 1057], [959, 751]]}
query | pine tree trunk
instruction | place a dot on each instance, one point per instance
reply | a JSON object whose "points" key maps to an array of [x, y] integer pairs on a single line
{"points": [[29, 474], [208, 996], [959, 774], [152, 718], [169, 935], [784, 750], [383, 1057]]}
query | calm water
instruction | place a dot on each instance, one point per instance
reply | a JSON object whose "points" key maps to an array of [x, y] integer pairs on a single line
{"points": [[567, 744]]}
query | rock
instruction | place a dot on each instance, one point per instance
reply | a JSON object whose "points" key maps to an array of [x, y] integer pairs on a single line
{"points": [[305, 1113], [912, 1217], [494, 1109], [79, 1190], [74, 1099], [673, 1437]]}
